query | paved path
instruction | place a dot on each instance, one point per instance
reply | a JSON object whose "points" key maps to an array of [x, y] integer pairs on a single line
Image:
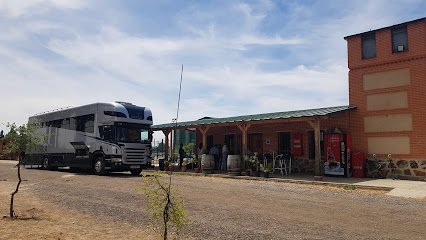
{"points": [[401, 188]]}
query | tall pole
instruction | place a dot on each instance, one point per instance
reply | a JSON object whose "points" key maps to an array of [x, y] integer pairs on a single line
{"points": [[180, 88], [177, 111]]}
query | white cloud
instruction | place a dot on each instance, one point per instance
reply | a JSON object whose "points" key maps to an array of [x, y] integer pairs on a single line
{"points": [[277, 40], [14, 8]]}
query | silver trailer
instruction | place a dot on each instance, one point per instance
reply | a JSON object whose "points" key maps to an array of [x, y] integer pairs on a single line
{"points": [[101, 136]]}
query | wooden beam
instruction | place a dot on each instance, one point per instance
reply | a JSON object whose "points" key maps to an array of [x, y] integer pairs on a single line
{"points": [[166, 143], [316, 125], [203, 130], [244, 128]]}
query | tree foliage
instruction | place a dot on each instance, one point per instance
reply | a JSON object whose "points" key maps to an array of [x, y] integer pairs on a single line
{"points": [[189, 148], [21, 138], [164, 202]]}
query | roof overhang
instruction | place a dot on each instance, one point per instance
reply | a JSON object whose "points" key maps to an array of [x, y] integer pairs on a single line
{"points": [[270, 118]]}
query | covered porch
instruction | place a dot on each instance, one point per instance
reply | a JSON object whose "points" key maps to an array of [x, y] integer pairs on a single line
{"points": [[297, 134]]}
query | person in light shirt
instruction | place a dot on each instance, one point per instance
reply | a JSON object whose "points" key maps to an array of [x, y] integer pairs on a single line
{"points": [[225, 152], [215, 152]]}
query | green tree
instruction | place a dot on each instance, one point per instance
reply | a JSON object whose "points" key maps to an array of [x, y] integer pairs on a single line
{"points": [[20, 140], [189, 148], [165, 205]]}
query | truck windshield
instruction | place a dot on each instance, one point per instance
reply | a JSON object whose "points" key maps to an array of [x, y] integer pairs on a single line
{"points": [[126, 133], [132, 135]]}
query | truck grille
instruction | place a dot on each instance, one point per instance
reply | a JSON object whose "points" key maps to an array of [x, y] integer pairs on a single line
{"points": [[134, 155]]}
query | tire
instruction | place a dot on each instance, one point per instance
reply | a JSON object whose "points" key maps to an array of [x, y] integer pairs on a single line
{"points": [[45, 164], [135, 172], [99, 166]]}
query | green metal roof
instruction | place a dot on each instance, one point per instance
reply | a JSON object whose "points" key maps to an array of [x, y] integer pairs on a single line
{"points": [[259, 117]]}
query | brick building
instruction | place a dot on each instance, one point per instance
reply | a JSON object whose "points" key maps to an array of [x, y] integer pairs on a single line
{"points": [[387, 76], [386, 112]]}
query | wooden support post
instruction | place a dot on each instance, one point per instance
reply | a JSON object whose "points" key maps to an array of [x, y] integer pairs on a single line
{"points": [[244, 129], [317, 133], [203, 131], [166, 142]]}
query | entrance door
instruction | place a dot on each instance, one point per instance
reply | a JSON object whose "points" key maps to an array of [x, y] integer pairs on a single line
{"points": [[284, 143], [255, 143], [230, 142]]}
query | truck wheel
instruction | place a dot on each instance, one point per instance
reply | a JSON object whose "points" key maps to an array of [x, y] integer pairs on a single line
{"points": [[99, 166], [45, 164], [136, 172]]}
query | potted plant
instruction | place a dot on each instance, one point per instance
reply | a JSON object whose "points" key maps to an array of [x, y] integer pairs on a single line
{"points": [[184, 165], [197, 162], [266, 169], [251, 164], [254, 162]]}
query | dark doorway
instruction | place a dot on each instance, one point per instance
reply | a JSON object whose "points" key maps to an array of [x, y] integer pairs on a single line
{"points": [[284, 143], [230, 142], [255, 143], [209, 142]]}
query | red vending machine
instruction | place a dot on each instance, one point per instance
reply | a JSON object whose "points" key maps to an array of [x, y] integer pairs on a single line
{"points": [[337, 154]]}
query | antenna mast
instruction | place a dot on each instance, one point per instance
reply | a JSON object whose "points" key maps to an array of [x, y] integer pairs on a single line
{"points": [[177, 113]]}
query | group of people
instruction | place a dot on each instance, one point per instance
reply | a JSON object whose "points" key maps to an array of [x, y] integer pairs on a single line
{"points": [[220, 154]]}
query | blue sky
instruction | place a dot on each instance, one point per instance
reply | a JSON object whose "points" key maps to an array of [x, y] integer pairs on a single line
{"points": [[239, 57]]}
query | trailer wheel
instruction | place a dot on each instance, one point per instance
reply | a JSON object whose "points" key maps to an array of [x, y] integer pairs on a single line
{"points": [[99, 166], [45, 164], [135, 172]]}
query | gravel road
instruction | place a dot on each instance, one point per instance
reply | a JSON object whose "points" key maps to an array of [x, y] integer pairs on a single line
{"points": [[236, 209]]}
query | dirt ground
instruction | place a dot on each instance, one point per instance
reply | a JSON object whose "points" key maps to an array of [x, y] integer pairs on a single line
{"points": [[67, 205], [42, 220]]}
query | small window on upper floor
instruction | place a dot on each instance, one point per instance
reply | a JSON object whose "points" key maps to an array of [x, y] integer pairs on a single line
{"points": [[368, 42], [399, 39]]}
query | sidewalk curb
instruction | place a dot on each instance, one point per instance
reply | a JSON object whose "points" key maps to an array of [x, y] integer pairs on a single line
{"points": [[308, 182]]}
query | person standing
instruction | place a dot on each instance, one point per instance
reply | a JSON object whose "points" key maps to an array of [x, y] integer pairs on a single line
{"points": [[215, 152], [199, 154], [181, 155], [225, 152]]}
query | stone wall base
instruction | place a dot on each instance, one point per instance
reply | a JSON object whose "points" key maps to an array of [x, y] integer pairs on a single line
{"points": [[403, 169]]}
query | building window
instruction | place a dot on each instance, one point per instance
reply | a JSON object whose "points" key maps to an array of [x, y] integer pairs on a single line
{"points": [[368, 41], [399, 39]]}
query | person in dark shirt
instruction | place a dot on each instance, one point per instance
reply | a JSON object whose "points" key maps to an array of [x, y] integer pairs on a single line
{"points": [[181, 155]]}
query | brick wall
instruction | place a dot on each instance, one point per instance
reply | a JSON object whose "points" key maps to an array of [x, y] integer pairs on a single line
{"points": [[414, 60]]}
